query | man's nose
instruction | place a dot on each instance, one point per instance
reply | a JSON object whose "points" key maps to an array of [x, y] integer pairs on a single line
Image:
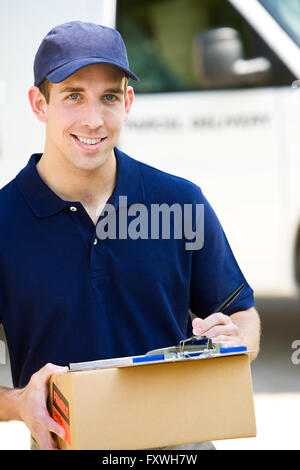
{"points": [[93, 117]]}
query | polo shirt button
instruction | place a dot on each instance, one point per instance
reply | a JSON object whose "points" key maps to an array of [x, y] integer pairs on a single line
{"points": [[95, 241], [73, 209]]}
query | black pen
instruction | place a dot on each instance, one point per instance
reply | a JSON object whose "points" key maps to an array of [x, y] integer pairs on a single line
{"points": [[229, 299], [221, 307]]}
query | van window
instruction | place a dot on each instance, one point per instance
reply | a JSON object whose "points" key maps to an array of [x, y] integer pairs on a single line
{"points": [[160, 35], [287, 13]]}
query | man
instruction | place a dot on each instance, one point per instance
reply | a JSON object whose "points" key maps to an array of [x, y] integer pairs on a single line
{"points": [[68, 295]]}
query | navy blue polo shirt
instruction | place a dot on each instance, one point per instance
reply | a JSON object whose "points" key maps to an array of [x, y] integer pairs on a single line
{"points": [[67, 295]]}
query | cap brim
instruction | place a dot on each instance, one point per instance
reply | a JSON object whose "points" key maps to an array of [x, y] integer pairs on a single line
{"points": [[62, 73]]}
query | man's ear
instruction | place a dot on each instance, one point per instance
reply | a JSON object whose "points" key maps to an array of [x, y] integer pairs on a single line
{"points": [[38, 103], [129, 97]]}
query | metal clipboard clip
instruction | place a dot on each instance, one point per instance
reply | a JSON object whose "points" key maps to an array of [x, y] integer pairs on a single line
{"points": [[189, 348], [197, 343]]}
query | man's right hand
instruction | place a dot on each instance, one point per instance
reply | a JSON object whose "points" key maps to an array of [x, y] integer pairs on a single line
{"points": [[32, 407]]}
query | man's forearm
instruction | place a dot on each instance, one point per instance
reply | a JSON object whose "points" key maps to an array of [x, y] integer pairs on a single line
{"points": [[249, 325], [9, 399]]}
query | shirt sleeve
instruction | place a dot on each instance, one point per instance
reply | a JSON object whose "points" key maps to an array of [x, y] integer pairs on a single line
{"points": [[215, 273]]}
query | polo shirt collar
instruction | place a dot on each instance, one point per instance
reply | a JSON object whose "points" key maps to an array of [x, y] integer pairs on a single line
{"points": [[44, 202]]}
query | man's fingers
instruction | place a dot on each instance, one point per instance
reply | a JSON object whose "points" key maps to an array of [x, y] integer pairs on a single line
{"points": [[44, 440], [230, 329], [218, 327], [200, 326], [40, 378], [42, 430], [45, 372], [197, 325], [54, 427]]}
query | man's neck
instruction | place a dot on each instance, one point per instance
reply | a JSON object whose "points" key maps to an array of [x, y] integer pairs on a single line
{"points": [[90, 187]]}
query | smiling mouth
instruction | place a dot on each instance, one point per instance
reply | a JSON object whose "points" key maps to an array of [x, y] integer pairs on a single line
{"points": [[88, 142]]}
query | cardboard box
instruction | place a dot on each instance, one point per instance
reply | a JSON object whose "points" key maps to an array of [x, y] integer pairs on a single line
{"points": [[155, 405]]}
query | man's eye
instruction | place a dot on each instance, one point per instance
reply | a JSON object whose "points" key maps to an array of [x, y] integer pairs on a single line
{"points": [[74, 96], [109, 97]]}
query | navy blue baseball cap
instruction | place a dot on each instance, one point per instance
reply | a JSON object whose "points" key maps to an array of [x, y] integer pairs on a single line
{"points": [[70, 46]]}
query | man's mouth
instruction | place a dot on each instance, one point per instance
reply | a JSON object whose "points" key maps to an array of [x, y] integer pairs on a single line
{"points": [[88, 142]]}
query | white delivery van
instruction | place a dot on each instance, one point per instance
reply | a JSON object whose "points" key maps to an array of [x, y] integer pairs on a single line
{"points": [[215, 105]]}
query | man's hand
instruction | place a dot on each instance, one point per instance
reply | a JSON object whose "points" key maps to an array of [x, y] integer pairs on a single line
{"points": [[240, 328], [219, 327], [32, 405]]}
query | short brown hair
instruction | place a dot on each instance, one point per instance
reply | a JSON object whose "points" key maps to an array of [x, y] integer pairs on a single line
{"points": [[44, 88]]}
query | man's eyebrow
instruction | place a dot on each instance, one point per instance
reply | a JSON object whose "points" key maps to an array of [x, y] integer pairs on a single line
{"points": [[68, 89], [117, 91]]}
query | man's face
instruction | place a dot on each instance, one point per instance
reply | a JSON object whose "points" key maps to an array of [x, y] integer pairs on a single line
{"points": [[85, 115]]}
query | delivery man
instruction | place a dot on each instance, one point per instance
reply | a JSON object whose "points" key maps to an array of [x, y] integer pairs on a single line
{"points": [[70, 294]]}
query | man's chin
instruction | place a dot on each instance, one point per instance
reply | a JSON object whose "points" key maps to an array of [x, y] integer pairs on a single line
{"points": [[87, 163]]}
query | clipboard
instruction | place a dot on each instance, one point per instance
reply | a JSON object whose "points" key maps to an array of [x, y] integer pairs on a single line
{"points": [[194, 348]]}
